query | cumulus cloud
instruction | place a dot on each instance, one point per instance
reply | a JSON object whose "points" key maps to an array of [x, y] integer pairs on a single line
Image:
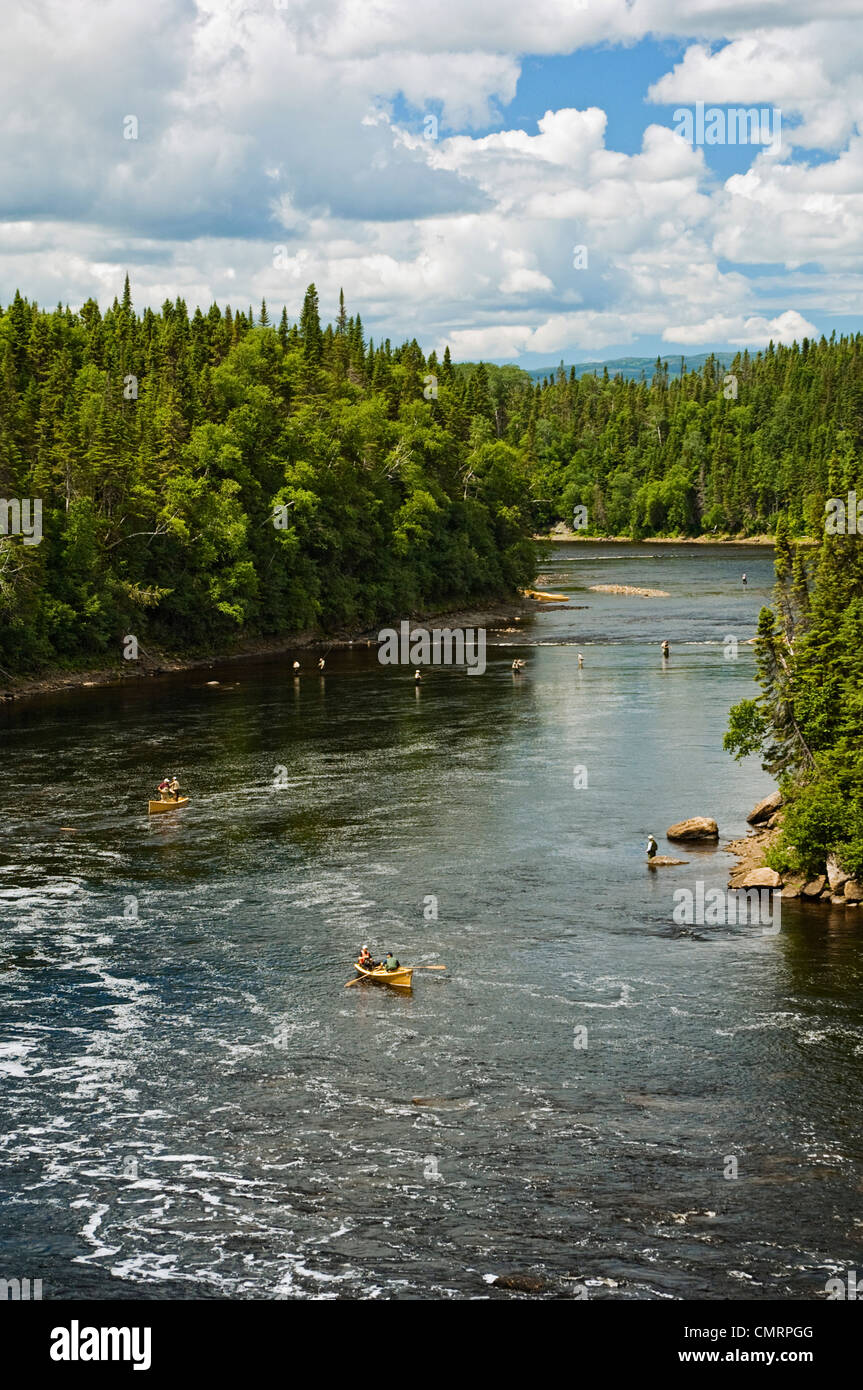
{"points": [[811, 73], [795, 214], [754, 331], [278, 143]]}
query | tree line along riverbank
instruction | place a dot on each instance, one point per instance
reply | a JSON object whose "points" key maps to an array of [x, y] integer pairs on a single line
{"points": [[806, 722], [213, 476]]}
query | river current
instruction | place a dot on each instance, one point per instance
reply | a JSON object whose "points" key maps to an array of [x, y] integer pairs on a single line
{"points": [[194, 1105]]}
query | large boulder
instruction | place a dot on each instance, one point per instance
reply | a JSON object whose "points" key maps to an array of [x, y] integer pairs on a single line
{"points": [[836, 874], [765, 809], [793, 886], [664, 861], [853, 891], [696, 828], [815, 888], [759, 878]]}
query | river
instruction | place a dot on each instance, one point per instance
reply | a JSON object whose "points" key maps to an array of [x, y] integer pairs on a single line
{"points": [[195, 1106]]}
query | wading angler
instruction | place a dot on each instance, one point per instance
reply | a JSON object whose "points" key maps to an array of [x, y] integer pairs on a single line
{"points": [[433, 647]]}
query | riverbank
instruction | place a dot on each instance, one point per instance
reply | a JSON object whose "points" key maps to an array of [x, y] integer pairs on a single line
{"points": [[560, 532], [497, 615], [834, 887]]}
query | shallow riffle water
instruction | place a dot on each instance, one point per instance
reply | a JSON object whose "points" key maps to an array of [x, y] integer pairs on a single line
{"points": [[194, 1105]]}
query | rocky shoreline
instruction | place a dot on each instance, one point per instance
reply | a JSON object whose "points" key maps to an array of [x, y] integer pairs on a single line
{"points": [[501, 617], [835, 886]]}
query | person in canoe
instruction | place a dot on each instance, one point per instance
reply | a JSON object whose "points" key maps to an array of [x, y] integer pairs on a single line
{"points": [[174, 789], [389, 962], [367, 961], [164, 789]]}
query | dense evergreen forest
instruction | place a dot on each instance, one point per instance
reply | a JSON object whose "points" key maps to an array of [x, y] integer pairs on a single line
{"points": [[723, 450], [807, 723], [209, 475], [214, 475]]}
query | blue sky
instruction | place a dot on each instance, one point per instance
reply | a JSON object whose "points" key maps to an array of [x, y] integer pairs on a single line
{"points": [[282, 142]]}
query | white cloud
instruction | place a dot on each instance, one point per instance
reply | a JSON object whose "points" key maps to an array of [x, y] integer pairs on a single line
{"points": [[792, 214], [265, 124], [810, 72], [744, 332]]}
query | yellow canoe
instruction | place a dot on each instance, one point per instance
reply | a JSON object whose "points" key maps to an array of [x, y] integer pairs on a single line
{"points": [[400, 978], [546, 598], [156, 807]]}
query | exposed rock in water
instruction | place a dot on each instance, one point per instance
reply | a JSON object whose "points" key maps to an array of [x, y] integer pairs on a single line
{"points": [[793, 886], [521, 1283], [759, 878], [815, 888], [663, 861], [695, 828], [765, 809], [853, 891]]}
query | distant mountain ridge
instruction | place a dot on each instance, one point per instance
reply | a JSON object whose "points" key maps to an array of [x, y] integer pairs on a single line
{"points": [[631, 368]]}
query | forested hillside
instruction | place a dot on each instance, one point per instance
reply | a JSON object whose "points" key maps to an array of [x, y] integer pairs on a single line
{"points": [[807, 723], [721, 450], [639, 368], [212, 475]]}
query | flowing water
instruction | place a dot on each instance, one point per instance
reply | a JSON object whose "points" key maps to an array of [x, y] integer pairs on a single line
{"points": [[193, 1103]]}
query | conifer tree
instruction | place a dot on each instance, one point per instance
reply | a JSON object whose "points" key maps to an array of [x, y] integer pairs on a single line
{"points": [[310, 327]]}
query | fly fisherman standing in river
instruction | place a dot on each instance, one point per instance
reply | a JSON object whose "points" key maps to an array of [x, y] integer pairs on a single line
{"points": [[652, 847]]}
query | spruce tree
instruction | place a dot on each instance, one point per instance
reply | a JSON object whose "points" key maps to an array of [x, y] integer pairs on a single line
{"points": [[310, 327]]}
